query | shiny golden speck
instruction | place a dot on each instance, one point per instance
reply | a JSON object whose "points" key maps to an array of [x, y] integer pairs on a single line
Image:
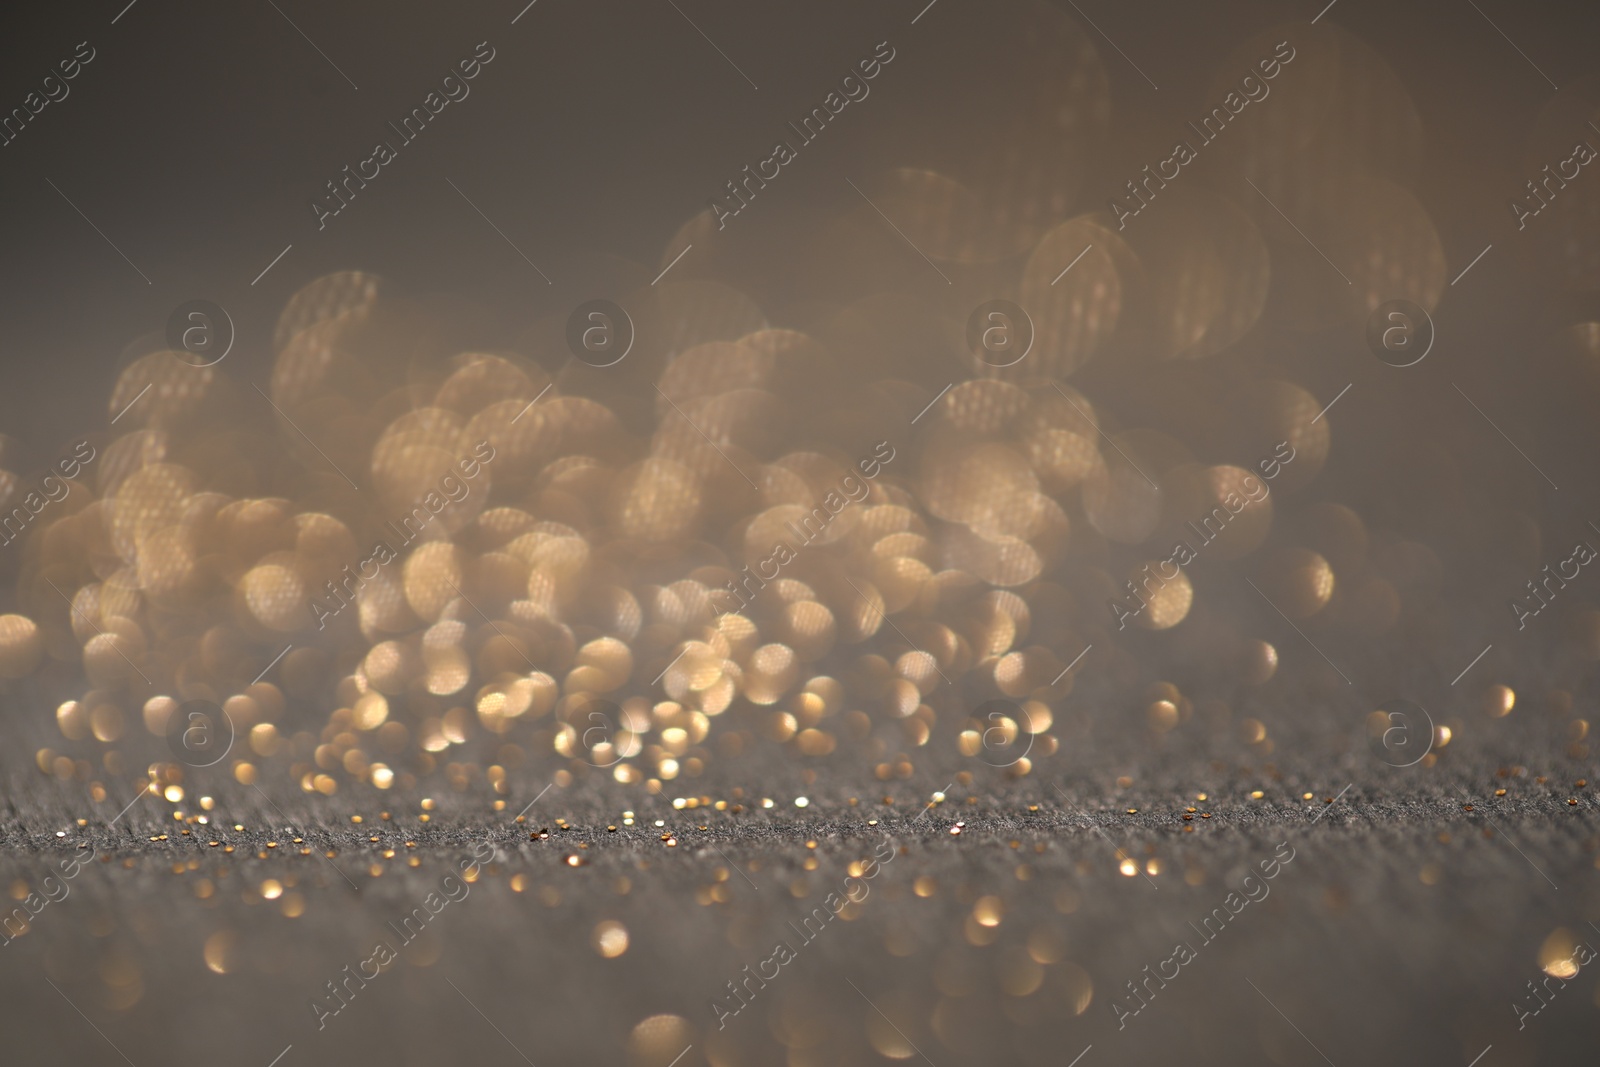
{"points": [[218, 951], [1558, 956], [610, 939]]}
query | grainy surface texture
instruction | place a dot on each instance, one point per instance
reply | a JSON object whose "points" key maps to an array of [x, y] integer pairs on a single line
{"points": [[1389, 919]]}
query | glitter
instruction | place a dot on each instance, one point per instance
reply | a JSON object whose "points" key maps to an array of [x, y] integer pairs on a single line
{"points": [[218, 951], [610, 939]]}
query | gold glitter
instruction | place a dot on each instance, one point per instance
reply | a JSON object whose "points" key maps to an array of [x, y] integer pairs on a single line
{"points": [[219, 951], [988, 911], [1558, 956], [610, 939]]}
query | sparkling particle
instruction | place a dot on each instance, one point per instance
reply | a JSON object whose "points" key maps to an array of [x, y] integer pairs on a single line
{"points": [[610, 939]]}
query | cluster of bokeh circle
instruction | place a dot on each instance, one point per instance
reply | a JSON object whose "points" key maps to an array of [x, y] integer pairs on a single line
{"points": [[1064, 398]]}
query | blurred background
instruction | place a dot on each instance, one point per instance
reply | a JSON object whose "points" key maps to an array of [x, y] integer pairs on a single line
{"points": [[1175, 417]]}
